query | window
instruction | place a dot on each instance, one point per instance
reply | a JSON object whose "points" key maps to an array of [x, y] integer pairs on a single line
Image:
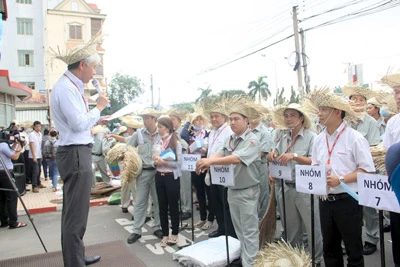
{"points": [[25, 58], [96, 26], [24, 1], [29, 84], [24, 26], [75, 32]]}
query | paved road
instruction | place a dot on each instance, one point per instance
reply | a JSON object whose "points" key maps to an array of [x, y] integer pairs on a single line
{"points": [[108, 223]]}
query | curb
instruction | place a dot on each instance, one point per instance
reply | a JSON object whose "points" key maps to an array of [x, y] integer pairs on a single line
{"points": [[57, 208]]}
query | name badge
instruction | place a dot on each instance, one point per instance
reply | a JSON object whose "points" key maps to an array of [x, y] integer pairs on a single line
{"points": [[280, 171], [189, 162], [375, 191], [311, 179], [222, 175]]}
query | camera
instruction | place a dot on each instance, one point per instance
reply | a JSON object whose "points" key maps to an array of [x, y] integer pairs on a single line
{"points": [[11, 136]]}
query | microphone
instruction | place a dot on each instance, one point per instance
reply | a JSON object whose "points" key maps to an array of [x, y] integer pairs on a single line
{"points": [[96, 85]]}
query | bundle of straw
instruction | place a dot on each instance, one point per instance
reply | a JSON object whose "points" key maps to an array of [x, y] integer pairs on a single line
{"points": [[267, 225], [282, 254], [378, 155], [131, 159]]}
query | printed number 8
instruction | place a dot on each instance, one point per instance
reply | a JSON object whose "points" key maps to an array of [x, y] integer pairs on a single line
{"points": [[310, 186]]}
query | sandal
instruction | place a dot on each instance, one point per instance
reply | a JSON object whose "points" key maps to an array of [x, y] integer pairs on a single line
{"points": [[17, 225], [207, 225], [164, 242], [200, 223], [172, 240]]}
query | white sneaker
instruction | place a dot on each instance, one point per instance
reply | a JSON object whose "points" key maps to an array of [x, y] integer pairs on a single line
{"points": [[207, 225]]}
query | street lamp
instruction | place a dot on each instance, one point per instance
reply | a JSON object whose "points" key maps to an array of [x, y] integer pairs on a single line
{"points": [[276, 75]]}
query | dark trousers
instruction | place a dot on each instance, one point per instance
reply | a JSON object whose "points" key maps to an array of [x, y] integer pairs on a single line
{"points": [[218, 200], [8, 201], [395, 233], [45, 165], [75, 166], [203, 191], [35, 167], [341, 220], [167, 188], [28, 171]]}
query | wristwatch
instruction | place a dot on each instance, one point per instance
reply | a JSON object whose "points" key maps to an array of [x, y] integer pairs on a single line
{"points": [[295, 155], [341, 179]]}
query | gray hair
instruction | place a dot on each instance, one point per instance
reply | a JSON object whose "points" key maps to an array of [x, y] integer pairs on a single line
{"points": [[95, 58]]}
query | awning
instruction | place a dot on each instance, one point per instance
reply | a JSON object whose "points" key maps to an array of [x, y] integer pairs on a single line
{"points": [[12, 88], [33, 115]]}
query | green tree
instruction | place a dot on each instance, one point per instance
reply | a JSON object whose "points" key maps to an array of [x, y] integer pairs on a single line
{"points": [[123, 90], [205, 93], [294, 97], [259, 88], [187, 106], [279, 98]]}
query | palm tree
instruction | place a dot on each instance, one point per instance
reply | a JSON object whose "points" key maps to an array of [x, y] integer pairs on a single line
{"points": [[260, 88], [204, 94]]}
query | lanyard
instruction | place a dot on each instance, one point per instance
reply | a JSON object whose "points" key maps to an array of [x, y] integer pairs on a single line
{"points": [[292, 144], [84, 101], [215, 137], [240, 140], [334, 144]]}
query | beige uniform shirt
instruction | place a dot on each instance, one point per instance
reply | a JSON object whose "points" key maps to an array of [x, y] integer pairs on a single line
{"points": [[145, 147]]}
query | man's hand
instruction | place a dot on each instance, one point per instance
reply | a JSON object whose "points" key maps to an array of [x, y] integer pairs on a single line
{"points": [[285, 158], [272, 156], [102, 101], [103, 121], [158, 161], [34, 159], [202, 165], [271, 181], [332, 180]]}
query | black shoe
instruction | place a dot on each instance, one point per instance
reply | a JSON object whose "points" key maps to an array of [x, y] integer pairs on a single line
{"points": [[369, 248], [4, 224], [124, 210], [133, 238], [158, 233], [236, 263], [386, 228], [186, 215], [216, 233], [91, 260]]}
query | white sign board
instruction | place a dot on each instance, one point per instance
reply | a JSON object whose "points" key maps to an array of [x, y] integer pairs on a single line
{"points": [[189, 162], [280, 171], [375, 191], [222, 175], [311, 179]]}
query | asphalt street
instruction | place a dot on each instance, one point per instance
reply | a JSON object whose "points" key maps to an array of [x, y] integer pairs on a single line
{"points": [[108, 223]]}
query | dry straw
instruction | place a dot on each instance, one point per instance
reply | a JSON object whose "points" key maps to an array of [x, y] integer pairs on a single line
{"points": [[132, 122], [282, 254], [279, 115], [98, 129], [378, 155], [391, 80], [131, 159], [352, 90]]}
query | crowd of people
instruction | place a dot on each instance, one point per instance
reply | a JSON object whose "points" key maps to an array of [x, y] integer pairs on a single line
{"points": [[326, 129]]}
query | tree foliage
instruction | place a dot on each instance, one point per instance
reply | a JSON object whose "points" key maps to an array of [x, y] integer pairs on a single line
{"points": [[279, 98], [205, 93], [259, 88], [123, 90], [294, 97]]}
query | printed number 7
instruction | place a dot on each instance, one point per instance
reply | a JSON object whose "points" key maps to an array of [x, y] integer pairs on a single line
{"points": [[379, 200]]}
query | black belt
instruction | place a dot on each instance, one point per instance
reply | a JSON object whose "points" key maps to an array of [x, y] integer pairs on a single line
{"points": [[97, 154], [88, 145], [165, 173], [290, 184], [334, 197], [149, 169]]}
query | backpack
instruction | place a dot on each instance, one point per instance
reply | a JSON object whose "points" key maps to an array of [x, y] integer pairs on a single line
{"points": [[49, 150]]}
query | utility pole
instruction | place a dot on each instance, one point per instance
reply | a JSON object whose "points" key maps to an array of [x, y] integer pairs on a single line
{"points": [[298, 53], [304, 58], [159, 97], [151, 89]]}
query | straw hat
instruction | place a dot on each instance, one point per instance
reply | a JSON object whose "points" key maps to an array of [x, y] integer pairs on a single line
{"points": [[150, 112], [325, 98], [26, 124], [391, 80], [78, 52], [121, 130], [241, 105], [180, 114], [98, 129], [374, 102], [132, 122], [351, 90], [280, 110], [387, 99], [215, 107]]}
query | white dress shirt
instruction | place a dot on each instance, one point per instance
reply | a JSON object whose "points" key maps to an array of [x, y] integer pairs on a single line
{"points": [[70, 113], [392, 133], [217, 138], [350, 153]]}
